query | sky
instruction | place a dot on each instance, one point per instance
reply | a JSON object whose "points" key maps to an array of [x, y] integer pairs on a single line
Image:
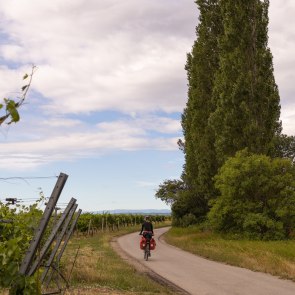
{"points": [[106, 99]]}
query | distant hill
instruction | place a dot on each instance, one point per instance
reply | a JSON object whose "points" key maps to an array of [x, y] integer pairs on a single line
{"points": [[136, 211]]}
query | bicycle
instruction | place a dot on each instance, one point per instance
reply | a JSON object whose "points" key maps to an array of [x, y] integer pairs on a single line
{"points": [[146, 246], [147, 251]]}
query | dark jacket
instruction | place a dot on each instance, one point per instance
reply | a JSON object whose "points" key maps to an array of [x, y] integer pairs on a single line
{"points": [[147, 226]]}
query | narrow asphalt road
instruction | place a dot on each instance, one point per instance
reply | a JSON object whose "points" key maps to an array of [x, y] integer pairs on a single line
{"points": [[199, 276]]}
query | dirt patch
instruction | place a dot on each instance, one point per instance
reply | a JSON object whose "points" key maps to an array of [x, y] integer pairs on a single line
{"points": [[141, 268]]}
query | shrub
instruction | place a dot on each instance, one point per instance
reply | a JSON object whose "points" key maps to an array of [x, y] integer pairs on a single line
{"points": [[257, 197], [185, 221], [14, 241]]}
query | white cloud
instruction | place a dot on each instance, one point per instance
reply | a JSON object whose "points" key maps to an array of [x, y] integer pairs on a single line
{"points": [[145, 123], [122, 56], [65, 140], [282, 45], [127, 56], [10, 82], [147, 184]]}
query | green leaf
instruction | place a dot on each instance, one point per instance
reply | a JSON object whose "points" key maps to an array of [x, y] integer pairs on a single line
{"points": [[11, 109], [25, 76], [1, 106], [24, 87]]}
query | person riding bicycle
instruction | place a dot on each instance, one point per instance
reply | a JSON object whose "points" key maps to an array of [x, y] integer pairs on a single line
{"points": [[147, 243], [147, 229]]}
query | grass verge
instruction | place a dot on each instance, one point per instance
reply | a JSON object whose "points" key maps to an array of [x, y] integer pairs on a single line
{"points": [[273, 257]]}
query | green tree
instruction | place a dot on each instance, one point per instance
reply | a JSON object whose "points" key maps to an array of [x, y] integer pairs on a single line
{"points": [[257, 197], [169, 190], [233, 100], [284, 147], [202, 64], [245, 92]]}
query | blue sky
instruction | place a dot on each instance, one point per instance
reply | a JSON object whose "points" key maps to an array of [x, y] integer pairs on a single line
{"points": [[106, 99]]}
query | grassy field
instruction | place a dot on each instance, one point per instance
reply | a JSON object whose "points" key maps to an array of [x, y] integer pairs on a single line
{"points": [[273, 257], [99, 270]]}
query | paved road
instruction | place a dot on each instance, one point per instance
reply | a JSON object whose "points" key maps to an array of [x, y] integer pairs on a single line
{"points": [[199, 276]]}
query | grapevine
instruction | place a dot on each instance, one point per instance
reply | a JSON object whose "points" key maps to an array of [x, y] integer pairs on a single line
{"points": [[16, 231]]}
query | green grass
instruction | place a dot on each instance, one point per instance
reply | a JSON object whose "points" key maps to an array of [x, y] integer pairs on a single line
{"points": [[99, 270], [273, 257]]}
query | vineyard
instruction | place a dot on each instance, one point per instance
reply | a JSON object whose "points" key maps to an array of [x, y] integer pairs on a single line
{"points": [[32, 241], [90, 223], [17, 227]]}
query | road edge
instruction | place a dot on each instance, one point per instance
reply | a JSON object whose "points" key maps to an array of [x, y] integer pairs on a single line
{"points": [[141, 268]]}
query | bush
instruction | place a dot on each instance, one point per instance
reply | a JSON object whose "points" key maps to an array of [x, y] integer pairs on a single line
{"points": [[189, 205], [185, 221], [257, 197], [14, 241]]}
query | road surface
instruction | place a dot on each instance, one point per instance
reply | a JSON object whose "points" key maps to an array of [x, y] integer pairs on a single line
{"points": [[199, 276]]}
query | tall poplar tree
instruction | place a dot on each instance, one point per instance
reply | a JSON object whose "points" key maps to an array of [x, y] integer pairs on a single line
{"points": [[245, 92], [233, 100], [202, 64]]}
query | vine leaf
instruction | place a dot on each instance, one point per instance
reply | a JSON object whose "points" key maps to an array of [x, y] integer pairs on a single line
{"points": [[24, 87], [12, 105]]}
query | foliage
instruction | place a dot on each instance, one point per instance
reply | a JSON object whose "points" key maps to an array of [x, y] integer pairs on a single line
{"points": [[184, 221], [233, 100], [247, 99], [202, 64], [284, 147], [187, 205], [11, 106], [109, 221], [257, 197], [169, 190], [14, 241]]}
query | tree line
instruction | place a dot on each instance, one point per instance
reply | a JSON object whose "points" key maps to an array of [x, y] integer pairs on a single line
{"points": [[238, 172]]}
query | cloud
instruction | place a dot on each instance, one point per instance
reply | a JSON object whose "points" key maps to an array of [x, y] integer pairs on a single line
{"points": [[127, 56], [118, 56], [281, 42], [147, 184], [68, 140]]}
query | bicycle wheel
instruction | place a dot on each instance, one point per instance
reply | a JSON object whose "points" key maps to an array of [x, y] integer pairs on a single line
{"points": [[146, 252]]}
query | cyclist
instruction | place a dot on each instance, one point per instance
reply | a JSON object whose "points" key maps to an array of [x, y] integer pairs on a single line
{"points": [[147, 229]]}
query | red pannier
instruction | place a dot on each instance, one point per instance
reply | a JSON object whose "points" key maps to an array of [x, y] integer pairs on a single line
{"points": [[143, 243], [152, 244]]}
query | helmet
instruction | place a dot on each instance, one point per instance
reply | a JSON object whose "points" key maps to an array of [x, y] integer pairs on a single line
{"points": [[147, 217]]}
